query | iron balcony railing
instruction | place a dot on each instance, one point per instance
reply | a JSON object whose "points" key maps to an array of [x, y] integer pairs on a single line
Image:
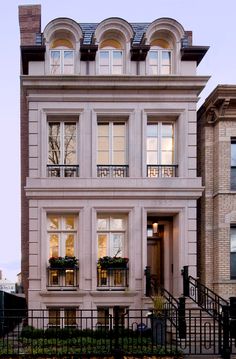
{"points": [[112, 278], [63, 278], [112, 171], [157, 171], [63, 170]]}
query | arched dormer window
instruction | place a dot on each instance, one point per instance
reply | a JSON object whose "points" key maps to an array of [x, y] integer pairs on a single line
{"points": [[61, 57], [110, 57], [160, 58]]}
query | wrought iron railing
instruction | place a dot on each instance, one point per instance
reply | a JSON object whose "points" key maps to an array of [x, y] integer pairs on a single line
{"points": [[113, 171], [112, 278], [63, 170], [162, 170], [89, 333], [63, 278]]}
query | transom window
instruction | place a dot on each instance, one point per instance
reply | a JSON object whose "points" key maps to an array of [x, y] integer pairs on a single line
{"points": [[62, 149], [111, 234], [62, 235], [62, 58], [110, 58], [159, 58], [233, 252]]}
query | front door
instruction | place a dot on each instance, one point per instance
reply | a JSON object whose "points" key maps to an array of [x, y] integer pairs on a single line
{"points": [[155, 260]]}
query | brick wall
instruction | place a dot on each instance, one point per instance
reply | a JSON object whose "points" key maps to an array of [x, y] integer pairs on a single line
{"points": [[30, 23]]}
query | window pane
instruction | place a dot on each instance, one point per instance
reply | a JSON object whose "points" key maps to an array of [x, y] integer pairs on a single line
{"points": [[119, 129], [233, 240], [118, 158], [102, 223], [69, 277], [69, 250], [118, 143], [103, 143], [69, 222], [116, 244], [54, 317], [233, 154], [153, 57], [117, 57], [167, 130], [54, 245], [152, 130], [167, 144], [152, 144], [102, 245], [68, 57], [53, 222], [103, 158], [167, 158], [54, 143], [166, 58], [103, 129], [233, 265], [104, 58], [117, 223], [152, 158], [70, 316]]}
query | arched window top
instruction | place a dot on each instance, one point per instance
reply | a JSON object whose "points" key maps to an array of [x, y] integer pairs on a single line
{"points": [[111, 44], [62, 44], [165, 28], [160, 44], [62, 28], [119, 28]]}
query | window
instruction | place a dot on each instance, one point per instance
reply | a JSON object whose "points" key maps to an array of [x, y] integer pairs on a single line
{"points": [[62, 233], [62, 149], [233, 164], [160, 149], [62, 58], [112, 152], [111, 234], [62, 317], [159, 58], [110, 58], [105, 314], [233, 253]]}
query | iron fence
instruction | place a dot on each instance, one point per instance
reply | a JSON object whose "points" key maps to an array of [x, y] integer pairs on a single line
{"points": [[37, 333]]}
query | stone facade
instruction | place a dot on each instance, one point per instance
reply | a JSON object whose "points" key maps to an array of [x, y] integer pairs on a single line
{"points": [[216, 129], [135, 99]]}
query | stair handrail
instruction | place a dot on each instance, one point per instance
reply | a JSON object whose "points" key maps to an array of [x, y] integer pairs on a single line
{"points": [[206, 298]]}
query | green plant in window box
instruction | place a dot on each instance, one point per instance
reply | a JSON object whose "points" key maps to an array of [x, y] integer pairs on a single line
{"points": [[63, 262], [107, 262]]}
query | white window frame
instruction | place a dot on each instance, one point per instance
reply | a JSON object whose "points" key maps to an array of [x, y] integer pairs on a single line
{"points": [[62, 140], [111, 66], [62, 232], [159, 65], [62, 65], [111, 124], [110, 232], [159, 138]]}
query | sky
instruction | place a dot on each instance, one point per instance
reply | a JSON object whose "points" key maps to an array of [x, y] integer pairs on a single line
{"points": [[212, 22]]}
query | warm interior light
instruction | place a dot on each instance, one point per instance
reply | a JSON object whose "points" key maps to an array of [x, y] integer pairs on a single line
{"points": [[155, 227]]}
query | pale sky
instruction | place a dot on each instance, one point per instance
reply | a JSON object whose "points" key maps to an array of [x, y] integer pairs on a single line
{"points": [[212, 23]]}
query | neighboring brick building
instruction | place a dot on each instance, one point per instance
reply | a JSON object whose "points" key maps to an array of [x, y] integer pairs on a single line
{"points": [[217, 207], [108, 144]]}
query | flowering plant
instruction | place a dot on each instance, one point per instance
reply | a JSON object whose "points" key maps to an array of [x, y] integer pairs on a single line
{"points": [[63, 262], [112, 262]]}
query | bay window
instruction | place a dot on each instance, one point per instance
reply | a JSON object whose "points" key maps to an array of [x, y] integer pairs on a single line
{"points": [[62, 149]]}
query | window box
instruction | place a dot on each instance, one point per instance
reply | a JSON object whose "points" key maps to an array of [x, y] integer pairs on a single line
{"points": [[112, 262], [63, 262]]}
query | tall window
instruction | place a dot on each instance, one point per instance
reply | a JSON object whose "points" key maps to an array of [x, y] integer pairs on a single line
{"points": [[110, 58], [62, 58], [233, 164], [233, 253], [159, 58], [62, 234], [112, 152], [62, 149], [111, 234], [62, 317]]}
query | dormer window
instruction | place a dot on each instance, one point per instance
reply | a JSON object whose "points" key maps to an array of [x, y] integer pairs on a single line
{"points": [[62, 58], [159, 58], [110, 58]]}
